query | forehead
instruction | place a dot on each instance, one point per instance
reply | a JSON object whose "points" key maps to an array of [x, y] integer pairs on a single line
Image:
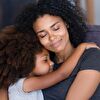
{"points": [[45, 21], [42, 54]]}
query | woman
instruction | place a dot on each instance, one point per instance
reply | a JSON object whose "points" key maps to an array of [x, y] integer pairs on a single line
{"points": [[26, 68], [60, 28]]}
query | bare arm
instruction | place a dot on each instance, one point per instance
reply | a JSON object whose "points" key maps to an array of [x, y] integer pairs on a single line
{"points": [[84, 85], [3, 94], [36, 83]]}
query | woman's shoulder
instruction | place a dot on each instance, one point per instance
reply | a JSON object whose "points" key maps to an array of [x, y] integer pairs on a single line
{"points": [[90, 59]]}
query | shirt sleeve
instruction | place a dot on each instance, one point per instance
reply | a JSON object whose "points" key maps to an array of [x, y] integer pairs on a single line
{"points": [[19, 85], [91, 59]]}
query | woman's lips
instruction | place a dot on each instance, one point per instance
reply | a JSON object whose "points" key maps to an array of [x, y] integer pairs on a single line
{"points": [[56, 44]]}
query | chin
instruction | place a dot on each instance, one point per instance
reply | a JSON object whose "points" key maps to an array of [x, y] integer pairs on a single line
{"points": [[58, 50], [41, 74]]}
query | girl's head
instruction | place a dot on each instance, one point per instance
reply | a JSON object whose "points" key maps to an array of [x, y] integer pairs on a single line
{"points": [[43, 64], [70, 14], [17, 55]]}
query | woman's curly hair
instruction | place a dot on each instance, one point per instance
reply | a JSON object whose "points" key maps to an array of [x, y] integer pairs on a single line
{"points": [[17, 55], [68, 11]]}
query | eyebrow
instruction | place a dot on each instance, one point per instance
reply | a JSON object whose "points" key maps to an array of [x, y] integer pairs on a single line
{"points": [[50, 27], [54, 24], [40, 31], [46, 55]]}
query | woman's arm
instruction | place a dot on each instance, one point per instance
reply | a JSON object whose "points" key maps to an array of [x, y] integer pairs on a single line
{"points": [[3, 94], [41, 82], [84, 85]]}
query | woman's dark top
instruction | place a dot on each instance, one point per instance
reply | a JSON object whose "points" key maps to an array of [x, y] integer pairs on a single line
{"points": [[89, 60]]}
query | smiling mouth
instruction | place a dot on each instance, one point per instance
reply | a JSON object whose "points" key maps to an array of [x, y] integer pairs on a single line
{"points": [[56, 44]]}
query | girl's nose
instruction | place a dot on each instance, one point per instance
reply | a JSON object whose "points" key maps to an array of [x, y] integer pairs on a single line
{"points": [[51, 63]]}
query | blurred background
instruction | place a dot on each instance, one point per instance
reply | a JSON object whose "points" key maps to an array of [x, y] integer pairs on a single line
{"points": [[92, 8], [9, 9]]}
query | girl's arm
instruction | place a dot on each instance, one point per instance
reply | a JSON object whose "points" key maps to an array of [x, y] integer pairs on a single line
{"points": [[41, 82], [84, 85]]}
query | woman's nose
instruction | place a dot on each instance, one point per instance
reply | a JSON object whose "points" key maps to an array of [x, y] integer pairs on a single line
{"points": [[51, 36]]}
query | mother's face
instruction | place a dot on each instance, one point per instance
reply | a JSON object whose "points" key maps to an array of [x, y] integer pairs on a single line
{"points": [[52, 32]]}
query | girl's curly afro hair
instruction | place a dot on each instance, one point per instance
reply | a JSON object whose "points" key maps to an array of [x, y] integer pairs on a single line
{"points": [[17, 55]]}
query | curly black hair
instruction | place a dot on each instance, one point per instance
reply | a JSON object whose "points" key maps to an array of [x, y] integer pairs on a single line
{"points": [[17, 55], [68, 11]]}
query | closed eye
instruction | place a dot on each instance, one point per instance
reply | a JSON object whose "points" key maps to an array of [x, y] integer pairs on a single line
{"points": [[42, 34], [56, 27], [46, 58]]}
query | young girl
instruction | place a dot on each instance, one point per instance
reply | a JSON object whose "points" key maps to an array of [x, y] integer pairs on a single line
{"points": [[25, 66]]}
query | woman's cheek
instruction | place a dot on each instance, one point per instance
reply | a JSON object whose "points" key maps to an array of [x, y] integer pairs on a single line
{"points": [[44, 42]]}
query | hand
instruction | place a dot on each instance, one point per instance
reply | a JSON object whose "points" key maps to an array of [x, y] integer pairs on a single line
{"points": [[90, 45]]}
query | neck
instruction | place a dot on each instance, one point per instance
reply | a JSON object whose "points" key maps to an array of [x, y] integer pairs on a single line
{"points": [[64, 54]]}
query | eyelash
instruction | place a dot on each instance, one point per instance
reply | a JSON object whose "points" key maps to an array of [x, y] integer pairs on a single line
{"points": [[54, 29], [46, 59], [42, 36]]}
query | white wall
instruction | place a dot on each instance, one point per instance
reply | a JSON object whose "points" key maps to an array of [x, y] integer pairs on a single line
{"points": [[96, 10]]}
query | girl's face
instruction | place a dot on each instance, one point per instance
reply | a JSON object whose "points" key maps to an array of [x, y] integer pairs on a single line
{"points": [[52, 32], [43, 63]]}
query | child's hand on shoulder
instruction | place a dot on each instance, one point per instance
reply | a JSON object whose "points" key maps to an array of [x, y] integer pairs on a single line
{"points": [[88, 45]]}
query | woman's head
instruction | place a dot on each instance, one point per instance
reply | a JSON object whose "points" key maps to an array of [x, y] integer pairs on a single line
{"points": [[67, 11], [17, 55], [53, 34]]}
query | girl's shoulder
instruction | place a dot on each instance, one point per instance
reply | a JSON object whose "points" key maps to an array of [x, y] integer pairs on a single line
{"points": [[15, 92], [17, 86]]}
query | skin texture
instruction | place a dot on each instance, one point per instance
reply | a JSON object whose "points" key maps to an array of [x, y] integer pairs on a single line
{"points": [[3, 94], [53, 35], [33, 83], [42, 16], [43, 69], [43, 63], [50, 30], [86, 82], [77, 27]]}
